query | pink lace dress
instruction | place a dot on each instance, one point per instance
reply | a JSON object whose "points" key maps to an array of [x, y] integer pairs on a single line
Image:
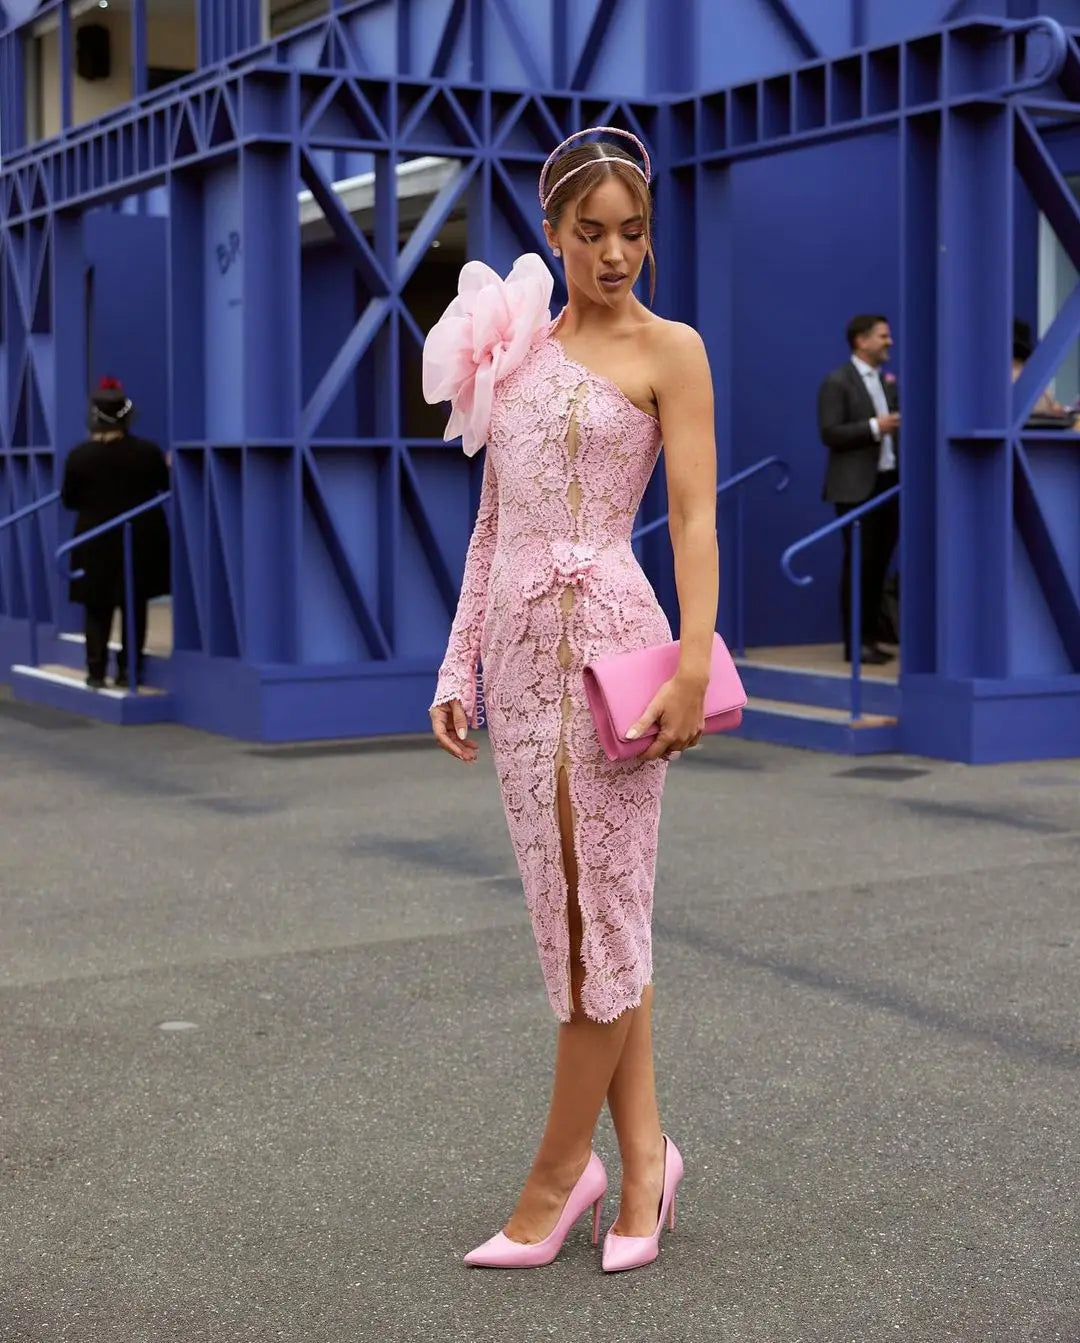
{"points": [[550, 583]]}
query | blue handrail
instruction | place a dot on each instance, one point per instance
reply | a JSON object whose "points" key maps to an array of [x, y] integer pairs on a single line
{"points": [[43, 502], [854, 521], [733, 483], [31, 614], [121, 520]]}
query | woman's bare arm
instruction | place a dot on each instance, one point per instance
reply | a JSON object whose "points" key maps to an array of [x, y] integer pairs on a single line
{"points": [[684, 395]]}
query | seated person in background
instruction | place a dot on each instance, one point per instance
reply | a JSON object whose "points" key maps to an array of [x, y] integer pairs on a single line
{"points": [[110, 474]]}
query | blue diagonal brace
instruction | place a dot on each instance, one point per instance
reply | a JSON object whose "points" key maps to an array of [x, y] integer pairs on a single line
{"points": [[1061, 596], [520, 43], [527, 225], [593, 44], [1046, 359], [455, 21], [1047, 186], [411, 322], [435, 216], [372, 631], [346, 359], [352, 239], [233, 581], [412, 500], [793, 26]]}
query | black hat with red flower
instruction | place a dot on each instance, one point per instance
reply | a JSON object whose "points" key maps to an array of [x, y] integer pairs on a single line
{"points": [[110, 407]]}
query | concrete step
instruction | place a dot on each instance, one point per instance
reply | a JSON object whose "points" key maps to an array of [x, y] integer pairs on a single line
{"points": [[827, 688], [69, 650], [817, 728], [62, 687]]}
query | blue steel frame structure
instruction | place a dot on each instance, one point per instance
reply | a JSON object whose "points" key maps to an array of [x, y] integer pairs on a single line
{"points": [[296, 551]]}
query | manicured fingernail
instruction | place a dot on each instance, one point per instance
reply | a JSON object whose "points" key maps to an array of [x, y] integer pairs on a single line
{"points": [[675, 755], [633, 734], [461, 733]]}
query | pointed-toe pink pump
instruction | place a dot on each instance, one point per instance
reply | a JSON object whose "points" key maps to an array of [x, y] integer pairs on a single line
{"points": [[501, 1252], [624, 1252]]}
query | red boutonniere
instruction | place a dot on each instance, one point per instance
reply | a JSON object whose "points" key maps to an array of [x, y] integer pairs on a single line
{"points": [[890, 377]]}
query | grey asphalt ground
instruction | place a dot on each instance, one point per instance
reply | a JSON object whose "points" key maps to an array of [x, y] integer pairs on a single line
{"points": [[866, 1022]]}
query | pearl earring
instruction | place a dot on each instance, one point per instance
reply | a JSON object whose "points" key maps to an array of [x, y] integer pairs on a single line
{"points": [[556, 251]]}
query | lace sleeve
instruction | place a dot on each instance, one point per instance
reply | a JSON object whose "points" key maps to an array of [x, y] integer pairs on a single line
{"points": [[458, 673]]}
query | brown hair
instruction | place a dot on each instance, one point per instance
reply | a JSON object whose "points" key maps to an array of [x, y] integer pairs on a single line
{"points": [[564, 190], [862, 325]]}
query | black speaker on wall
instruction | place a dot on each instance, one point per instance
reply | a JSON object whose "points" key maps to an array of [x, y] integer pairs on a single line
{"points": [[92, 51]]}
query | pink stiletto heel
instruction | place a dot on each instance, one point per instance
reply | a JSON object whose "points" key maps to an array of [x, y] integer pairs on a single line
{"points": [[502, 1252], [625, 1252], [597, 1213]]}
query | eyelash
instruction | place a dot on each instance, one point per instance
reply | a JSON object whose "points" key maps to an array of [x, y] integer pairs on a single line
{"points": [[630, 237]]}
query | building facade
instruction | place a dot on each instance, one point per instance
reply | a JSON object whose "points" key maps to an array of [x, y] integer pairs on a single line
{"points": [[251, 211]]}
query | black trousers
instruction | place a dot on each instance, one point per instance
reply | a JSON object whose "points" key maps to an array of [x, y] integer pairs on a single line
{"points": [[98, 627], [880, 533]]}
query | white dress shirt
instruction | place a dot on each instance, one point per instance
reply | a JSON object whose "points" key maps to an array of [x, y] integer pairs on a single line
{"points": [[872, 382]]}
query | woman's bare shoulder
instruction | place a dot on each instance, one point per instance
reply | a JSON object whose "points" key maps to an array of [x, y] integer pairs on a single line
{"points": [[675, 349], [668, 339]]}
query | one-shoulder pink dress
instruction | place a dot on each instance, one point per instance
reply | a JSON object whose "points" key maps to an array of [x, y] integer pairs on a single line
{"points": [[550, 583]]}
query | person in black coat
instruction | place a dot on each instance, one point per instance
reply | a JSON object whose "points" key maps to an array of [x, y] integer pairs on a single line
{"points": [[109, 474], [859, 422]]}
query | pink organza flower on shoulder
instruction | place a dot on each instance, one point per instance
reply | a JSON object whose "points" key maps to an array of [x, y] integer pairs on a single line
{"points": [[482, 336]]}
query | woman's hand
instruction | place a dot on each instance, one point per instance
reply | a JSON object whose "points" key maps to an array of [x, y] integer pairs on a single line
{"points": [[678, 709], [451, 728]]}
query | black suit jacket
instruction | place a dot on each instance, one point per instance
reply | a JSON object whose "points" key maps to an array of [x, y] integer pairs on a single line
{"points": [[845, 409]]}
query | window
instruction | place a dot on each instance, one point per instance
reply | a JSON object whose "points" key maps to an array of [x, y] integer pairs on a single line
{"points": [[40, 121], [171, 40], [281, 16]]}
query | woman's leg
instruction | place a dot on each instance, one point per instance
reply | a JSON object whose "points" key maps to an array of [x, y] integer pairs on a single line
{"points": [[636, 1116], [586, 1055]]}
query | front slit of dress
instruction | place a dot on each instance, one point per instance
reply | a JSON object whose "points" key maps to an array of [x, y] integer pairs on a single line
{"points": [[566, 657]]}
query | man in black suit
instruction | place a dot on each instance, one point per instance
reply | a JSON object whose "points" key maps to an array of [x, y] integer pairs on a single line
{"points": [[859, 422]]}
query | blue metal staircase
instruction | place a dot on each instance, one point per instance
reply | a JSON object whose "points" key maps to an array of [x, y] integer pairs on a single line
{"points": [[800, 702], [54, 672]]}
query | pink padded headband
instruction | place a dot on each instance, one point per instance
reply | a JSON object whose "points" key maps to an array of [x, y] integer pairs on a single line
{"points": [[646, 172]]}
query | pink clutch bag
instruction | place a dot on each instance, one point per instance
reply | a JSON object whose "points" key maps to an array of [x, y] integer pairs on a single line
{"points": [[619, 689]]}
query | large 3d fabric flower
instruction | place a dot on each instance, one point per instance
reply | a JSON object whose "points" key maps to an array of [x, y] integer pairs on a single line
{"points": [[482, 336]]}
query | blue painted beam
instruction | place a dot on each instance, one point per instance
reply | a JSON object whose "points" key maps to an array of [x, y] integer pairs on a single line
{"points": [[456, 19], [67, 65], [138, 48], [518, 41], [784, 12], [435, 216], [315, 496], [1058, 588], [918, 336], [560, 43], [1047, 185], [341, 223], [345, 361], [413, 500], [593, 44], [1045, 360]]}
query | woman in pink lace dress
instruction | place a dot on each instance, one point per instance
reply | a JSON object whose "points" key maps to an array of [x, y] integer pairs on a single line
{"points": [[573, 413]]}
